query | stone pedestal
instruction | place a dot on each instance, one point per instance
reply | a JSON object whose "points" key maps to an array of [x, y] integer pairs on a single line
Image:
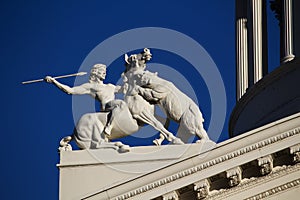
{"points": [[85, 173], [255, 165]]}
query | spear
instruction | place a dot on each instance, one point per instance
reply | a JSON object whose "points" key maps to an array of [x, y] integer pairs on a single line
{"points": [[57, 77]]}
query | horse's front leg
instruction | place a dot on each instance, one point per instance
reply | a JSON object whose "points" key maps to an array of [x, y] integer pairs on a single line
{"points": [[151, 120], [158, 141], [161, 138]]}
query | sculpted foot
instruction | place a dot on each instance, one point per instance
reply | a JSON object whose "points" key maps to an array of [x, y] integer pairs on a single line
{"points": [[107, 130], [157, 142], [203, 138], [124, 149], [177, 141], [202, 141], [104, 138]]}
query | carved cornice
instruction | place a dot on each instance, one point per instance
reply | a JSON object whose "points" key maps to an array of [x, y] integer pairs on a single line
{"points": [[174, 195], [275, 190], [234, 176], [202, 188], [266, 164], [245, 184], [295, 151], [200, 167]]}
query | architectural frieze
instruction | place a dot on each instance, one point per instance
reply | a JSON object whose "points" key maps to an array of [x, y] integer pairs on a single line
{"points": [[276, 190], [254, 181], [221, 159]]}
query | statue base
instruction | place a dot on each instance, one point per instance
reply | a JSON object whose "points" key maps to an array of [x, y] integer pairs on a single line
{"points": [[85, 172]]}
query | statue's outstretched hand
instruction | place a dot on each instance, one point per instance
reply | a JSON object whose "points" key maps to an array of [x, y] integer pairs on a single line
{"points": [[49, 79]]}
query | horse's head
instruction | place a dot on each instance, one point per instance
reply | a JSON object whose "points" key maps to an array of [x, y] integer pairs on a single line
{"points": [[137, 61]]}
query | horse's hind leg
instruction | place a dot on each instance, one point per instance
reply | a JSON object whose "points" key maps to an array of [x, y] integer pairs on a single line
{"points": [[166, 122], [88, 131], [151, 120]]}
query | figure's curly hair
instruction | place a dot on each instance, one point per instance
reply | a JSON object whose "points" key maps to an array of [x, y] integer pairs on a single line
{"points": [[99, 66]]}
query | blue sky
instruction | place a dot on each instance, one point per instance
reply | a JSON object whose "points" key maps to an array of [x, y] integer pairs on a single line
{"points": [[40, 38]]}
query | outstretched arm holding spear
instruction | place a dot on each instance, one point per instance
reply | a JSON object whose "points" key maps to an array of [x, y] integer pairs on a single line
{"points": [[104, 93], [82, 89], [65, 88]]}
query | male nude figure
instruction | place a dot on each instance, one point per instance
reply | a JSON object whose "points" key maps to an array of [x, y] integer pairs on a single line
{"points": [[104, 93]]}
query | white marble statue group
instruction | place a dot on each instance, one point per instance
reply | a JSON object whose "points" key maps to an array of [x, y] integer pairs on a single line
{"points": [[118, 118]]}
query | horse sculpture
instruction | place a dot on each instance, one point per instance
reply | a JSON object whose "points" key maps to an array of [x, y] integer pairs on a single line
{"points": [[89, 134], [133, 112], [143, 111]]}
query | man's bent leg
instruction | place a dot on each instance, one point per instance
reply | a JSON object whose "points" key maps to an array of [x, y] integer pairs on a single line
{"points": [[114, 107]]}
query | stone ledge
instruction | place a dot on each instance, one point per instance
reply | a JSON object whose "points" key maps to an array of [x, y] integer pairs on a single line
{"points": [[204, 167], [139, 176], [136, 154]]}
